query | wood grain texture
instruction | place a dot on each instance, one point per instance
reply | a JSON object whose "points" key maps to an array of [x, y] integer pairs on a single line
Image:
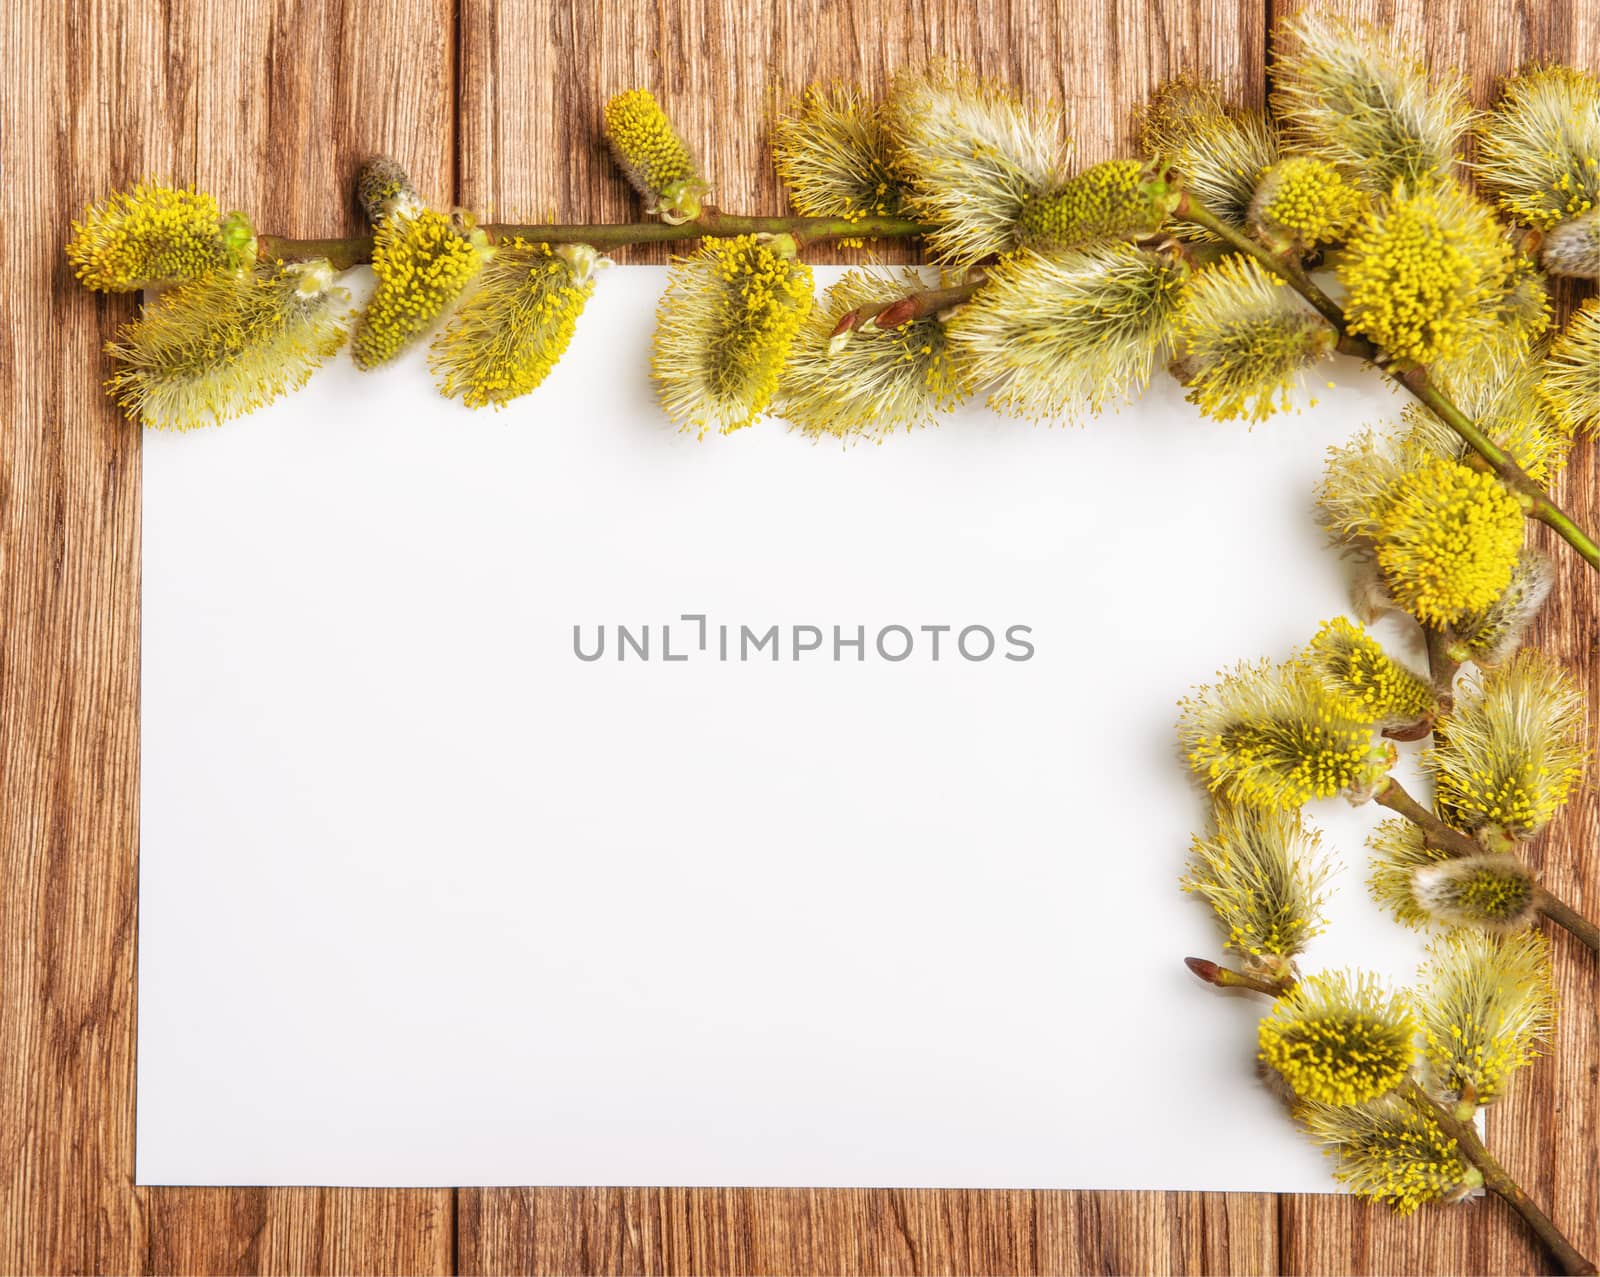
{"points": [[850, 1231], [268, 105], [536, 74], [271, 103]]}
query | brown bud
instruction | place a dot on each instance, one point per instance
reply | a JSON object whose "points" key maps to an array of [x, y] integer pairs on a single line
{"points": [[897, 313], [1208, 971]]}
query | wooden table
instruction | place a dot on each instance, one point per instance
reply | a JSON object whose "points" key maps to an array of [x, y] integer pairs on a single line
{"points": [[270, 104]]}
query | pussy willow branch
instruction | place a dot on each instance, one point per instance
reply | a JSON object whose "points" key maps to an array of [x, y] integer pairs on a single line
{"points": [[1535, 499], [1495, 1177], [356, 249], [1442, 837]]}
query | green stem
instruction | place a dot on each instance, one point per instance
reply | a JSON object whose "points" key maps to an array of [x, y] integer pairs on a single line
{"points": [[1535, 500], [1279, 264], [1496, 1179], [342, 254], [355, 249]]}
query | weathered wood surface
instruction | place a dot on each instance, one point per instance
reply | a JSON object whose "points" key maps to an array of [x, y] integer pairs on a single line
{"points": [[270, 103]]}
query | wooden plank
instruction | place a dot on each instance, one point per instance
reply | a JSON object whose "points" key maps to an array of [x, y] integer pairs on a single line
{"points": [[850, 1231], [534, 76], [268, 105], [1544, 1131]]}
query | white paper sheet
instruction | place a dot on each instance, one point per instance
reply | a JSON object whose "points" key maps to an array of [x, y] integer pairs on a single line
{"points": [[425, 899]]}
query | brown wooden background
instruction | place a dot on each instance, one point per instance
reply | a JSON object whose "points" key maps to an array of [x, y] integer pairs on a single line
{"points": [[270, 104]]}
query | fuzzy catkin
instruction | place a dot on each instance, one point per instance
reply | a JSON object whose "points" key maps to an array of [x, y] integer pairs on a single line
{"points": [[503, 341], [227, 343], [152, 234], [724, 329]]}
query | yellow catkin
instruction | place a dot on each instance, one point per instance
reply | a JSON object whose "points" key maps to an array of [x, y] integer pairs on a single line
{"points": [[1447, 540], [653, 157], [1539, 149], [505, 338], [149, 235], [1058, 335], [1491, 891], [1119, 199], [383, 190], [833, 155], [1302, 202], [969, 156], [1264, 875], [1365, 680], [1572, 247], [1244, 339], [1399, 853], [1357, 97], [1361, 476], [1513, 749], [874, 382], [1425, 271], [1272, 737], [226, 343], [1338, 1038], [724, 328], [1388, 1151], [1570, 379], [1487, 1004], [422, 264]]}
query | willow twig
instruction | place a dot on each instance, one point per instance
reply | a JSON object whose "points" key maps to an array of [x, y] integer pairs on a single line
{"points": [[1442, 837], [1564, 915], [1442, 667], [1536, 502], [356, 249], [1435, 832], [1496, 1179]]}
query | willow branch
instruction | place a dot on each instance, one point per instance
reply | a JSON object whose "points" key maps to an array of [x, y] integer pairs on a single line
{"points": [[1495, 1177], [1442, 837], [1435, 833], [1535, 500], [356, 249], [1564, 915], [1497, 1180]]}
